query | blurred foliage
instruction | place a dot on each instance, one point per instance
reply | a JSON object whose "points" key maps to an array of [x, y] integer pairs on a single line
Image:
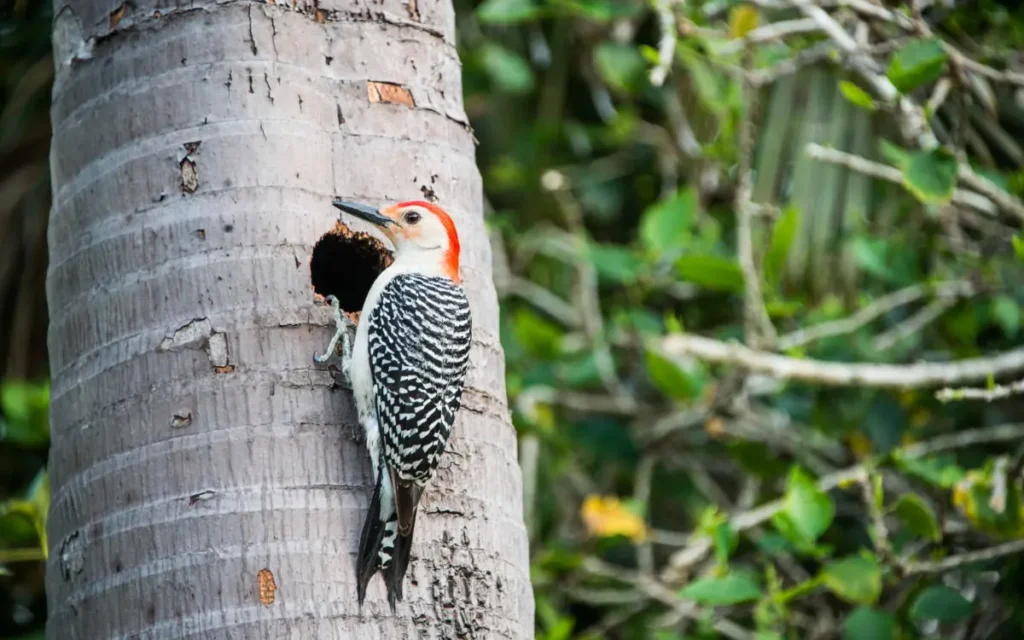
{"points": [[26, 75], [612, 202], [613, 207]]}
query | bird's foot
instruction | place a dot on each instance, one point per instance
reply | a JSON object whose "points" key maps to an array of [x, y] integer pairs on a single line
{"points": [[342, 323]]}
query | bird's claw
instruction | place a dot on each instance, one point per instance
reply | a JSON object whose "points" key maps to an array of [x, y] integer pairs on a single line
{"points": [[342, 323]]}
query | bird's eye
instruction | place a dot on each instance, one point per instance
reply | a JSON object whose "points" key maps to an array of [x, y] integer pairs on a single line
{"points": [[412, 217]]}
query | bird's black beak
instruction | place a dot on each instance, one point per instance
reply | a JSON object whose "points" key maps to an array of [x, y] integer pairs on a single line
{"points": [[364, 212]]}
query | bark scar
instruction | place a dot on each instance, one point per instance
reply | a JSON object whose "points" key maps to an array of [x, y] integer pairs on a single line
{"points": [[389, 93], [267, 586], [199, 334]]}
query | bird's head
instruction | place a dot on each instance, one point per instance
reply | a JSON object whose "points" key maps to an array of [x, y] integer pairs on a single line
{"points": [[421, 232]]}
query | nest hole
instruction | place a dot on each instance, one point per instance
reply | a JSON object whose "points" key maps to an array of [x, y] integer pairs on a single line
{"points": [[345, 263]]}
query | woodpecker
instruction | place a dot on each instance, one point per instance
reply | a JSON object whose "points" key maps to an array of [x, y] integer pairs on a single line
{"points": [[406, 367]]}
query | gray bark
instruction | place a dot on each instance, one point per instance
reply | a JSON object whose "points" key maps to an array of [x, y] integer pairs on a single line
{"points": [[198, 454]]}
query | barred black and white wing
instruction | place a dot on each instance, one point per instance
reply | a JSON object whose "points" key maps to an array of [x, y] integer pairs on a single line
{"points": [[419, 342], [419, 339]]}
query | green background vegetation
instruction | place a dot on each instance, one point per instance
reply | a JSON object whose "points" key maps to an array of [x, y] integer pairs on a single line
{"points": [[613, 206]]}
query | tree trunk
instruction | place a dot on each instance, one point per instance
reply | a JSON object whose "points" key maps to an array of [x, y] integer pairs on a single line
{"points": [[208, 480]]}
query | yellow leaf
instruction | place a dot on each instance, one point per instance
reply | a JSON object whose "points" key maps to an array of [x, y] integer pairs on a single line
{"points": [[859, 444], [606, 516], [907, 398], [742, 20], [714, 427]]}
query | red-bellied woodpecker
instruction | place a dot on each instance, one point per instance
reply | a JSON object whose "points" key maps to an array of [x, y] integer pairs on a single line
{"points": [[407, 367]]}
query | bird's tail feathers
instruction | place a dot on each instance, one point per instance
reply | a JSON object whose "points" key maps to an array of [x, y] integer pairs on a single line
{"points": [[370, 540], [399, 534]]}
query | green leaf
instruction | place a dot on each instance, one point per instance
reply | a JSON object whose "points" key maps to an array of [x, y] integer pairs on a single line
{"points": [[725, 541], [727, 590], [1018, 247], [537, 335], [620, 65], [866, 623], [25, 407], [671, 378], [918, 63], [918, 516], [857, 96], [711, 272], [940, 603], [940, 471], [871, 255], [666, 224], [562, 630], [1007, 314], [931, 175], [600, 10], [507, 69], [616, 263], [855, 579], [893, 154], [507, 11], [806, 511], [783, 234], [710, 87]]}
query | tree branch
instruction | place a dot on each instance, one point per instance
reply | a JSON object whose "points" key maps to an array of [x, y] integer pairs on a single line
{"points": [[881, 171], [998, 392], [700, 545], [878, 308], [961, 559], [894, 376]]}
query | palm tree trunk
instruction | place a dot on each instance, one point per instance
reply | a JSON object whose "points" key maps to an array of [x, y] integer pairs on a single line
{"points": [[208, 481]]}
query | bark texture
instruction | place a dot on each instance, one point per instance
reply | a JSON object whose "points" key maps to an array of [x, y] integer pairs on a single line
{"points": [[207, 480]]}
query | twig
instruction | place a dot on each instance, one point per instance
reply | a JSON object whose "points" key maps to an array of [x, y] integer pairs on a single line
{"points": [[591, 403], [1006, 202], [807, 57], [545, 300], [529, 453], [655, 590], [667, 43], [1009, 77], [959, 440], [997, 392], [894, 175], [913, 324], [875, 512], [700, 545], [893, 376], [876, 309], [757, 324], [770, 32], [970, 557], [642, 495]]}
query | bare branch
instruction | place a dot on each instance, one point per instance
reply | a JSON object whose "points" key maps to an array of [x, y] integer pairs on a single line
{"points": [[700, 545], [878, 308], [655, 590], [757, 324], [959, 560], [997, 392], [1005, 201], [667, 43], [892, 174], [914, 324], [894, 376]]}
